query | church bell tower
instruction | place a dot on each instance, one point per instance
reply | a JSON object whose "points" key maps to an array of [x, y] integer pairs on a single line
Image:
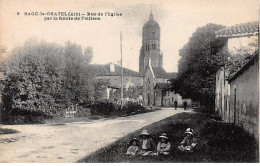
{"points": [[150, 45]]}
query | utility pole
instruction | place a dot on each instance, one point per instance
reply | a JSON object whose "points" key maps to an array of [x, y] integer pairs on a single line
{"points": [[122, 87]]}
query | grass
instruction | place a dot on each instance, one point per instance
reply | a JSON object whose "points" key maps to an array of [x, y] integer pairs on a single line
{"points": [[217, 142], [61, 120], [7, 131]]}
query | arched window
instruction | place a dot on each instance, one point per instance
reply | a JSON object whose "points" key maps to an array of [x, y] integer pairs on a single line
{"points": [[148, 47], [153, 33], [154, 46]]}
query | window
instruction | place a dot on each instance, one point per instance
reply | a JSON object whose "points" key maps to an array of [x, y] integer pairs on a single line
{"points": [[153, 33], [172, 99]]}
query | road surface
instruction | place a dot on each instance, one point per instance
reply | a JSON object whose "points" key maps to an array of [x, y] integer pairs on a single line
{"points": [[73, 141]]}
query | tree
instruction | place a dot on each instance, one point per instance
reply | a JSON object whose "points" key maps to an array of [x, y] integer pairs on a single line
{"points": [[42, 79], [199, 61]]}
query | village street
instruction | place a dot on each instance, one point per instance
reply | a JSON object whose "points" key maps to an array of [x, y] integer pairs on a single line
{"points": [[71, 142]]}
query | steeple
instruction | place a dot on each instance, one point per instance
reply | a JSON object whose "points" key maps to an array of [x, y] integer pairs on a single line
{"points": [[151, 16], [151, 13], [150, 50]]}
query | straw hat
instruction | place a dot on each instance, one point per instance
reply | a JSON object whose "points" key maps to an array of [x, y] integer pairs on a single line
{"points": [[144, 132], [189, 131], [163, 136]]}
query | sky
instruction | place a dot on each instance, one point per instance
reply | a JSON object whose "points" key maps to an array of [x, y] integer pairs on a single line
{"points": [[177, 20]]}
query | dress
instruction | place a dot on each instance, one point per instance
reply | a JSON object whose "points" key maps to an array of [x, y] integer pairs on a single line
{"points": [[132, 150], [163, 148]]}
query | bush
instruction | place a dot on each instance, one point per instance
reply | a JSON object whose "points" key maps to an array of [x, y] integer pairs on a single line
{"points": [[82, 112], [132, 108], [103, 108], [24, 117], [108, 109]]}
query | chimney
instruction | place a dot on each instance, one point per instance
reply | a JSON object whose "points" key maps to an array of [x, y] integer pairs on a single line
{"points": [[112, 67]]}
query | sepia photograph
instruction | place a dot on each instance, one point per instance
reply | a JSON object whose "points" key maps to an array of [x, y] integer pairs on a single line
{"points": [[111, 81]]}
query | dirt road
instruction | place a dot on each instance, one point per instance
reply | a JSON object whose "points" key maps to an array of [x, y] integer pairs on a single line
{"points": [[71, 142]]}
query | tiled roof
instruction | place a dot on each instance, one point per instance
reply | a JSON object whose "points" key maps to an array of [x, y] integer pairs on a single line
{"points": [[246, 66], [245, 29], [162, 86], [104, 70], [161, 73]]}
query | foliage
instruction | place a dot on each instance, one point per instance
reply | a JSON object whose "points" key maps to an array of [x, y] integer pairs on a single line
{"points": [[41, 79], [199, 60], [108, 109], [103, 108], [132, 108]]}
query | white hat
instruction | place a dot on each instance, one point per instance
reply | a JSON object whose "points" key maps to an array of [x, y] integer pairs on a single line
{"points": [[189, 131], [144, 132], [163, 136]]}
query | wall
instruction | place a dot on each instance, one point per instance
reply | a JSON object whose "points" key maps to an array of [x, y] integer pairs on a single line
{"points": [[241, 42], [222, 94], [244, 100], [148, 89]]}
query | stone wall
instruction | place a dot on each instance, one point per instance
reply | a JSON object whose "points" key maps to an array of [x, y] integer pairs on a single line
{"points": [[244, 100], [222, 95]]}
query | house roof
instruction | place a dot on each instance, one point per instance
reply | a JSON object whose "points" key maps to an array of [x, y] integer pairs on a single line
{"points": [[246, 66], [162, 86], [159, 72], [104, 70], [239, 30]]}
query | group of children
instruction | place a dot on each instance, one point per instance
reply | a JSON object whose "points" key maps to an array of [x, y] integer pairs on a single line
{"points": [[146, 146]]}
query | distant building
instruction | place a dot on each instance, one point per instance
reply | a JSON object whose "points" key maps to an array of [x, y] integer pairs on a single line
{"points": [[236, 92], [151, 73]]}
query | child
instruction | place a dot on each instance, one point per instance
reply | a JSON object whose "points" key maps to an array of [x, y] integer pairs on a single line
{"points": [[188, 143], [133, 148], [164, 146], [147, 146]]}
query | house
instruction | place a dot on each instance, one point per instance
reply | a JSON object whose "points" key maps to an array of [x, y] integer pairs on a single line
{"points": [[165, 96], [242, 36], [244, 96], [111, 74]]}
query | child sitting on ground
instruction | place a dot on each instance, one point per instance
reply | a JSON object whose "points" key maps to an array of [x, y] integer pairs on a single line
{"points": [[134, 147], [164, 146], [147, 146], [188, 143]]}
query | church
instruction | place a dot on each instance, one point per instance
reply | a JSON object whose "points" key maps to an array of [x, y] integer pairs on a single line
{"points": [[152, 78]]}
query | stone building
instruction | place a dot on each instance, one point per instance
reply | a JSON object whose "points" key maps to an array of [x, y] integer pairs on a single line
{"points": [[244, 97], [150, 45], [151, 72], [239, 37]]}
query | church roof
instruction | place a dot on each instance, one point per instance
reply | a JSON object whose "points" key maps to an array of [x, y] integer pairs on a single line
{"points": [[245, 29], [159, 72], [104, 70], [151, 23]]}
